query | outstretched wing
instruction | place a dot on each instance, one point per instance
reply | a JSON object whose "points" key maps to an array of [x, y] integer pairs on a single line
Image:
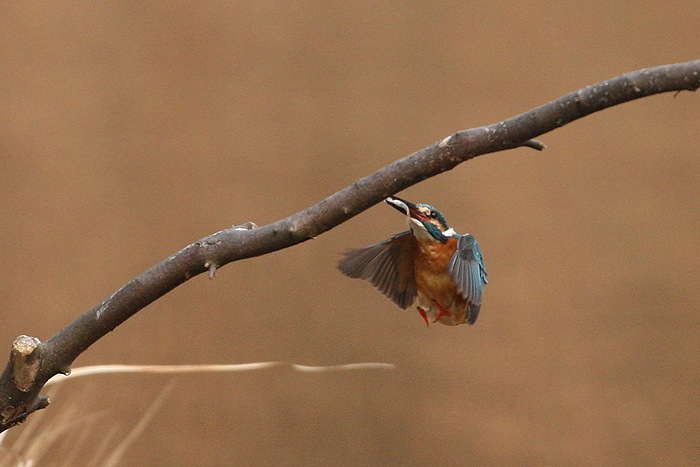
{"points": [[388, 265], [469, 273]]}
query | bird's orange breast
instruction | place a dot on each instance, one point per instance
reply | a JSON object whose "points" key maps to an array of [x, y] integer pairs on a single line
{"points": [[432, 277]]}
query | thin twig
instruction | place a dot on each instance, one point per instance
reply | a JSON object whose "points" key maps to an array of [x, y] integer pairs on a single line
{"points": [[209, 368]]}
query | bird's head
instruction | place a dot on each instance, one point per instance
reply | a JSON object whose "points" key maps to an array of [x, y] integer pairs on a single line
{"points": [[424, 220]]}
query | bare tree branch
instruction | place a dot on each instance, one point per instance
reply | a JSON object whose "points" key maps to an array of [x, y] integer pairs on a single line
{"points": [[33, 363]]}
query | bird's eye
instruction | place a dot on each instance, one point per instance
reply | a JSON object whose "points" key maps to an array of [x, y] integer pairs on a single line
{"points": [[433, 214]]}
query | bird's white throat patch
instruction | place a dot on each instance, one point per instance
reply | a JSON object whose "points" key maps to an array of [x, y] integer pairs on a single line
{"points": [[421, 232], [419, 229]]}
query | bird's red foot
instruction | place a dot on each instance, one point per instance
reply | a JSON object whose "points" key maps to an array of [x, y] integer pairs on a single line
{"points": [[442, 313], [424, 315]]}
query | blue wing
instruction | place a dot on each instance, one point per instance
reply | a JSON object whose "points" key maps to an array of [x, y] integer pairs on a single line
{"points": [[469, 273], [388, 265]]}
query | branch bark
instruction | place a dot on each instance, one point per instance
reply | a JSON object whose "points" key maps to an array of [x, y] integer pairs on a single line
{"points": [[33, 363]]}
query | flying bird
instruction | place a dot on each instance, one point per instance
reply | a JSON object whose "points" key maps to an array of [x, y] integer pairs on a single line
{"points": [[430, 261]]}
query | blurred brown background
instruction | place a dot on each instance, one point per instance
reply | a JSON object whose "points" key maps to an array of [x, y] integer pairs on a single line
{"points": [[129, 130]]}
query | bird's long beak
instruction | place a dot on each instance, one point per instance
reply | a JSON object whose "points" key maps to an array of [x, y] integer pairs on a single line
{"points": [[406, 207]]}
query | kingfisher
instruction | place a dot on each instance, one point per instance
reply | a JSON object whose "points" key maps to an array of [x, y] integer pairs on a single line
{"points": [[430, 261]]}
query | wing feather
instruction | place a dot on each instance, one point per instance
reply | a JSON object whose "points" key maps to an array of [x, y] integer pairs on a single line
{"points": [[469, 273], [387, 265]]}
